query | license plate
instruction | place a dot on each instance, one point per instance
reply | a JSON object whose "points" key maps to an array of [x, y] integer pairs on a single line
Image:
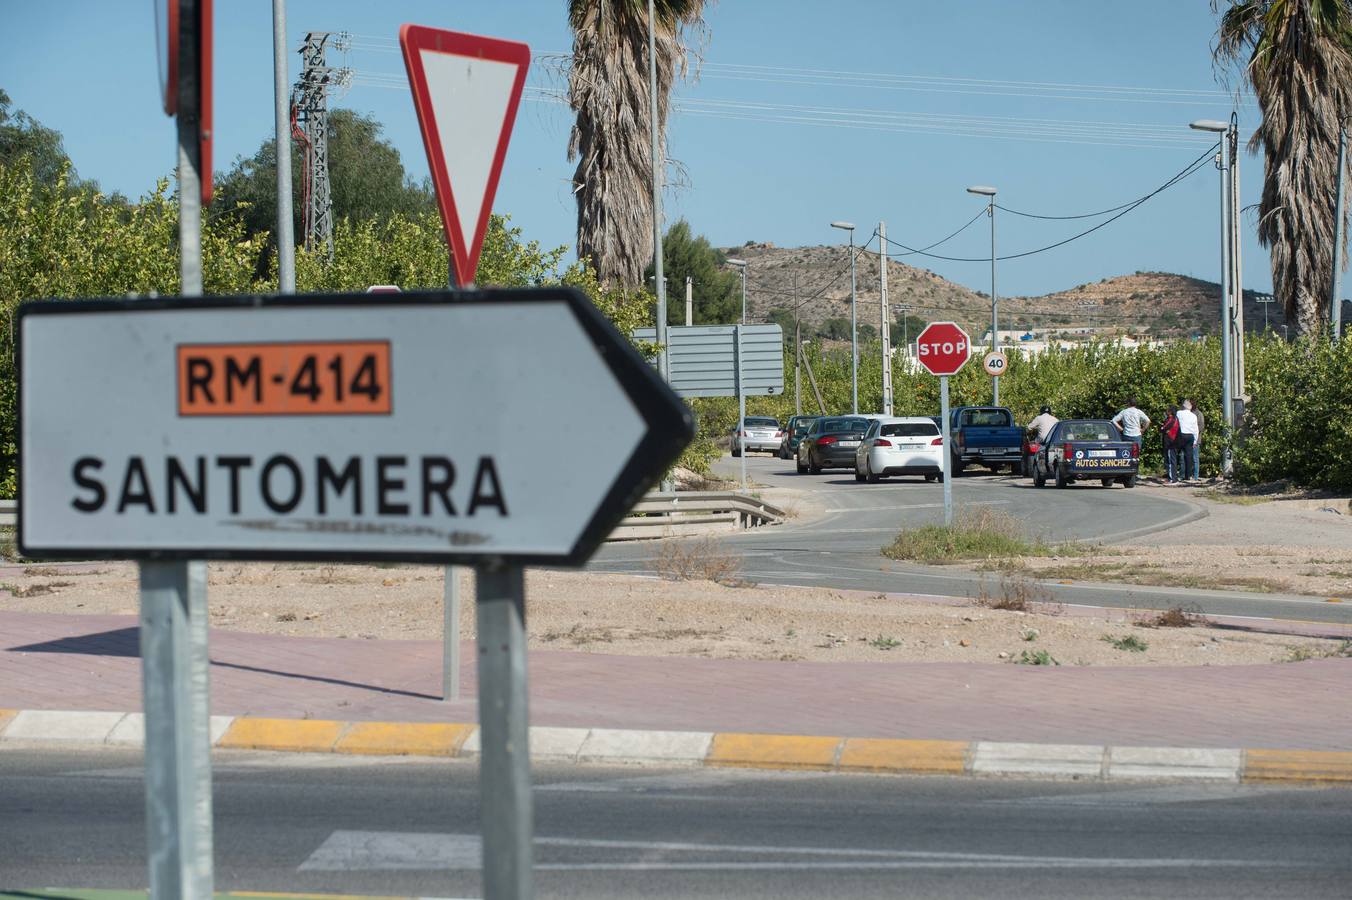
{"points": [[992, 450], [849, 443], [911, 446], [1103, 453]]}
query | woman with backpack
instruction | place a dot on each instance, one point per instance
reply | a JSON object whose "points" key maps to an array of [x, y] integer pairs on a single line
{"points": [[1173, 454]]}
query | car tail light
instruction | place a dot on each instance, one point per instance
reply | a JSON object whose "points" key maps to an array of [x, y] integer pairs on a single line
{"points": [[779, 434], [826, 440], [958, 438], [937, 442], [1066, 449], [1034, 447], [1135, 450], [881, 442], [741, 434]]}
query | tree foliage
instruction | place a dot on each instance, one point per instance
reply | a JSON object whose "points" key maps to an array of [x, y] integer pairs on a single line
{"points": [[715, 289], [62, 242], [23, 136], [1297, 57], [608, 89], [365, 171]]}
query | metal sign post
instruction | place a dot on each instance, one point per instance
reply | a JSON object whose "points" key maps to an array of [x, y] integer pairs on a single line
{"points": [[173, 602], [507, 817], [948, 453], [740, 437], [943, 349]]}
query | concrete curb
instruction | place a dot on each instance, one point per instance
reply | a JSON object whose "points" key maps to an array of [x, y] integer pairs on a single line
{"points": [[1089, 762]]}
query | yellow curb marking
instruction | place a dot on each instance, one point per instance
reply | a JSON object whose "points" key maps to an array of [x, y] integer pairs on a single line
{"points": [[404, 738], [5, 716], [886, 755], [1297, 765], [312, 735], [773, 751]]}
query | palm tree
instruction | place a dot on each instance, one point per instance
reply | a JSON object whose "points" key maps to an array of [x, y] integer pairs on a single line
{"points": [[608, 90], [1296, 58]]}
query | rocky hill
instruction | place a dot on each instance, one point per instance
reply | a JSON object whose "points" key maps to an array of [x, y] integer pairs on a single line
{"points": [[815, 282]]}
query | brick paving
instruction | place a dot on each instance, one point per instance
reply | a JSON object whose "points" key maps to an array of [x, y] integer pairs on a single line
{"points": [[91, 662]]}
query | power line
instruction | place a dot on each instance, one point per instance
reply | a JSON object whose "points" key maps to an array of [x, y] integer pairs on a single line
{"points": [[943, 240], [1192, 168]]}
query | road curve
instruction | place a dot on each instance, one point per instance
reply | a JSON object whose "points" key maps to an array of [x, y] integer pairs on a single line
{"points": [[836, 542]]}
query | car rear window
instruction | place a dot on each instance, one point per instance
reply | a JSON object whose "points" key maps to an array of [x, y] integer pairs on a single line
{"points": [[910, 429], [802, 425], [830, 425], [761, 422], [986, 418], [1090, 431]]}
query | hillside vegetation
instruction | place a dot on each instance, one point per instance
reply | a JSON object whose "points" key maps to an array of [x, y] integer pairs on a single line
{"points": [[1158, 304]]}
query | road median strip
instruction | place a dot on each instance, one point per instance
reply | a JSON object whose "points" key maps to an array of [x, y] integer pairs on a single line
{"points": [[783, 752]]}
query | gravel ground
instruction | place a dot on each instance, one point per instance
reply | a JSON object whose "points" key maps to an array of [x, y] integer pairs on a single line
{"points": [[646, 616]]}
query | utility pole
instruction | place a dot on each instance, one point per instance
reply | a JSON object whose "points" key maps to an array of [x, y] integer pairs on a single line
{"points": [[1336, 283], [797, 368], [663, 363], [797, 350], [310, 124], [1236, 280], [281, 82], [689, 301], [886, 326]]}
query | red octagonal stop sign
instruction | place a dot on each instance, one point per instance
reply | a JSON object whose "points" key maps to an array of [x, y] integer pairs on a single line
{"points": [[943, 348]]}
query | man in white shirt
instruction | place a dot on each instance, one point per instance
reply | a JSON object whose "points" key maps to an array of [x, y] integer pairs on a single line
{"points": [[1188, 432], [1133, 423], [1043, 423]]}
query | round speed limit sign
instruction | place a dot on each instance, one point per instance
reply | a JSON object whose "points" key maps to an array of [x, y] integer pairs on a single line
{"points": [[995, 362]]}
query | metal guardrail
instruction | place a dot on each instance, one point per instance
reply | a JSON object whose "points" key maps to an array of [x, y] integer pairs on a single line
{"points": [[672, 514], [657, 515]]}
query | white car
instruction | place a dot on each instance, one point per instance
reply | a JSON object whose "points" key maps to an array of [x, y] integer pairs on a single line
{"points": [[757, 433], [902, 445]]}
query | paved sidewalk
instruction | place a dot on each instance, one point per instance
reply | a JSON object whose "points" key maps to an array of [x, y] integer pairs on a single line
{"points": [[92, 663]]}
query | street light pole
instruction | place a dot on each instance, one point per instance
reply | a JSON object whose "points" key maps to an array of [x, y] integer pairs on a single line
{"points": [[1227, 395], [987, 191], [854, 323], [741, 264]]}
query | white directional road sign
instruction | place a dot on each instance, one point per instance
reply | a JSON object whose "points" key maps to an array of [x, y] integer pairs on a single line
{"points": [[439, 427]]}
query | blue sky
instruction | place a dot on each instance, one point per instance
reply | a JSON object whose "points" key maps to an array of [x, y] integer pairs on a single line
{"points": [[803, 113]]}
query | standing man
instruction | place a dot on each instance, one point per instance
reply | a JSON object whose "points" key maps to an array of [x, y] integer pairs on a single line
{"points": [[1043, 423], [1197, 442], [1133, 423], [1188, 432]]}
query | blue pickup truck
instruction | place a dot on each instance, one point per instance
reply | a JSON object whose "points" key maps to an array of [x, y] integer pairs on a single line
{"points": [[985, 436]]}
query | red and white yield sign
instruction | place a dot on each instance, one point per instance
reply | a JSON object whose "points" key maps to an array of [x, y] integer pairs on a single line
{"points": [[943, 348], [466, 89]]}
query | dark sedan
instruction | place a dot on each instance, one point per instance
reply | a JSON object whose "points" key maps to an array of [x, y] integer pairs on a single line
{"points": [[1086, 449], [830, 443], [794, 430]]}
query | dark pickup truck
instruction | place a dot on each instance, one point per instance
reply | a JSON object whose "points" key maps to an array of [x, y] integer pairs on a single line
{"points": [[985, 436]]}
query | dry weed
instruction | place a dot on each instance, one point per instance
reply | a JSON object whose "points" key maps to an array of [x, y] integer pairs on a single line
{"points": [[701, 560], [35, 590], [1173, 617], [1015, 593]]}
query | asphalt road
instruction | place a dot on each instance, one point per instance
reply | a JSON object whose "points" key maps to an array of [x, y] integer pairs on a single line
{"points": [[399, 826], [841, 548]]}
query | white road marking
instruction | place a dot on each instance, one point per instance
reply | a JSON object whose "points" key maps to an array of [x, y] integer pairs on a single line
{"points": [[353, 851]]}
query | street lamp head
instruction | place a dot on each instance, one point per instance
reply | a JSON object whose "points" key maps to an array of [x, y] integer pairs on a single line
{"points": [[739, 263], [843, 226], [982, 189], [1209, 125]]}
